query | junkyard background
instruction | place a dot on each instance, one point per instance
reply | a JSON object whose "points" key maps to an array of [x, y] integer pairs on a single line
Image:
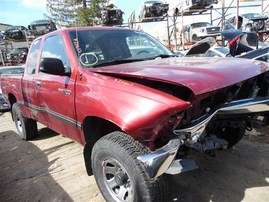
{"points": [[171, 23]]}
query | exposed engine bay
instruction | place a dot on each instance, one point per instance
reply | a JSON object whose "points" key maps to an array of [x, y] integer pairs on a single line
{"points": [[223, 130], [217, 121]]}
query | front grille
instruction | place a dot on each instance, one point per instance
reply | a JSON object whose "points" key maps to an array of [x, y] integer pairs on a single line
{"points": [[251, 88], [212, 30]]}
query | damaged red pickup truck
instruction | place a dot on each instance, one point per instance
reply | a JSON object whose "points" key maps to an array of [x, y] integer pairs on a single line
{"points": [[134, 106]]}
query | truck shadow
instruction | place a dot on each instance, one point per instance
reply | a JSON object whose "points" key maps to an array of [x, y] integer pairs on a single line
{"points": [[226, 177], [25, 173]]}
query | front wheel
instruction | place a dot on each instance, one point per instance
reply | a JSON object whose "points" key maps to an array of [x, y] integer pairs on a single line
{"points": [[27, 128], [118, 172], [194, 38], [249, 28], [231, 131]]}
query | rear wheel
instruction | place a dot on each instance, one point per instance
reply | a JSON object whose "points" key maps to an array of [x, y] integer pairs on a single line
{"points": [[27, 128], [118, 172]]}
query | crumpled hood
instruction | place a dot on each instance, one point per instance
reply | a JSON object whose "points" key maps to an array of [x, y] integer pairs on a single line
{"points": [[201, 75]]}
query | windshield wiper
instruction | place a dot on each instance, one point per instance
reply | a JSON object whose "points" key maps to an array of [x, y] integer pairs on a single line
{"points": [[116, 62], [163, 56]]}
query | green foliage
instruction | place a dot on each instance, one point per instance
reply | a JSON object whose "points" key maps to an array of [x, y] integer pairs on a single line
{"points": [[70, 13]]}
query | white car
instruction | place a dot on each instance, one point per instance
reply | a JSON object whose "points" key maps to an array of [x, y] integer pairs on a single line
{"points": [[196, 31]]}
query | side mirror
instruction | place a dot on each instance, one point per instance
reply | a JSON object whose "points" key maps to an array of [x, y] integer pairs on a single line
{"points": [[53, 66]]}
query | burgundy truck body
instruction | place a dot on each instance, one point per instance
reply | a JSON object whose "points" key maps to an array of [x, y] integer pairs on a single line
{"points": [[155, 100]]}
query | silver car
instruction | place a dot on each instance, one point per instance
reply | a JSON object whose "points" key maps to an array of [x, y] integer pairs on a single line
{"points": [[196, 31], [248, 21], [153, 10]]}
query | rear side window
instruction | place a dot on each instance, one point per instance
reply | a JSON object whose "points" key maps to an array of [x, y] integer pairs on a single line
{"points": [[33, 57]]}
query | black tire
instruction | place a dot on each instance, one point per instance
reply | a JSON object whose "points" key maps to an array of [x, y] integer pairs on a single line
{"points": [[118, 172], [194, 38], [27, 128], [249, 27], [230, 134]]}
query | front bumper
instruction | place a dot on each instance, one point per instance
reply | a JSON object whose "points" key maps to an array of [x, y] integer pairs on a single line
{"points": [[204, 35], [160, 161]]}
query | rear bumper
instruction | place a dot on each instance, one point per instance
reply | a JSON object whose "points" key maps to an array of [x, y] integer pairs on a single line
{"points": [[4, 106], [159, 161]]}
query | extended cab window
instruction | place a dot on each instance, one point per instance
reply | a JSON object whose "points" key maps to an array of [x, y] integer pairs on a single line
{"points": [[33, 57], [54, 48]]}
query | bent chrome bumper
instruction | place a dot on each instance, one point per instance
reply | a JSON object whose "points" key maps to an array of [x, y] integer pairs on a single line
{"points": [[246, 106], [163, 159]]}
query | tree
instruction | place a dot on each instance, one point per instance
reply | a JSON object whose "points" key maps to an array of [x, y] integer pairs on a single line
{"points": [[70, 13]]}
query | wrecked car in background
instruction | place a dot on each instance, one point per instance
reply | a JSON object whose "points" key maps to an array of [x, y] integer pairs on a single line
{"points": [[194, 6], [17, 55], [153, 9], [110, 15], [240, 44], [200, 30], [40, 27], [16, 33], [248, 22], [137, 115]]}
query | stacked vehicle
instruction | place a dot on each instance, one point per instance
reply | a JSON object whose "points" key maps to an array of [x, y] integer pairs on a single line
{"points": [[40, 27], [110, 15], [200, 30], [153, 10], [16, 40]]}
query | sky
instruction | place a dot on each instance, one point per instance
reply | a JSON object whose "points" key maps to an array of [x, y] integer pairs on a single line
{"points": [[23, 12]]}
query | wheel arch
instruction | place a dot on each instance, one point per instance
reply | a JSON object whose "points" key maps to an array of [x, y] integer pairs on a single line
{"points": [[93, 129], [12, 99]]}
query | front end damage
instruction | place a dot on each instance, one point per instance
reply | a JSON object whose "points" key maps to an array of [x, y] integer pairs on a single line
{"points": [[164, 159], [216, 120]]}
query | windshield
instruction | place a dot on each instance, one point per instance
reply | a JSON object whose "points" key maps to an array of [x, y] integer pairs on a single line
{"points": [[97, 47], [41, 22], [252, 15], [201, 24], [12, 28]]}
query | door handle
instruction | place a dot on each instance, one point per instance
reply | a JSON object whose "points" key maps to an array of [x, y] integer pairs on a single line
{"points": [[64, 91], [38, 84]]}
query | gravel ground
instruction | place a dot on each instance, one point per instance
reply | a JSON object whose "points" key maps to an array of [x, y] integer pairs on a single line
{"points": [[51, 168]]}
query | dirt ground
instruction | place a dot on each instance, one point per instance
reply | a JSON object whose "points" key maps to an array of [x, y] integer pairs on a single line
{"points": [[51, 168]]}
